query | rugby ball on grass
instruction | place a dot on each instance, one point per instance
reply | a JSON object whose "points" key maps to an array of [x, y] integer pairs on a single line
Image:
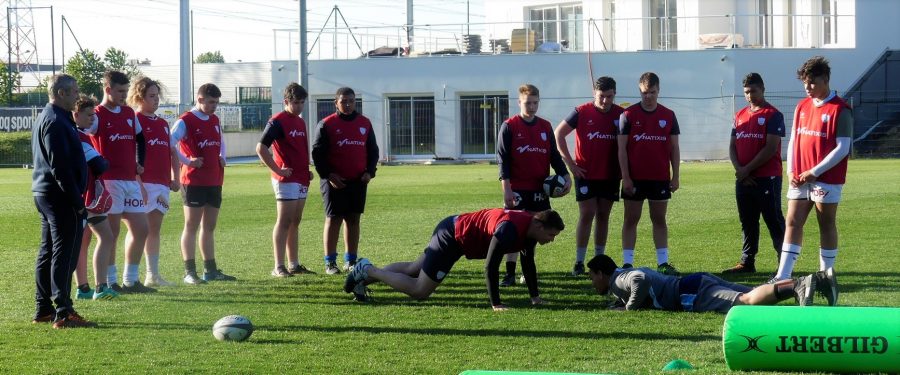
{"points": [[233, 328]]}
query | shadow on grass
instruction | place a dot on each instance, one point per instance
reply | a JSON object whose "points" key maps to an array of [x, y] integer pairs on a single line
{"points": [[852, 281]]}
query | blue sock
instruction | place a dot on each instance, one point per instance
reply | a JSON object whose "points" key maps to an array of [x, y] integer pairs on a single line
{"points": [[330, 258], [349, 258]]}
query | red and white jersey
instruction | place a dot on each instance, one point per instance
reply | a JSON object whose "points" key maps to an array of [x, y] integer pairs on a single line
{"points": [[649, 144], [750, 132], [529, 152], [158, 162], [347, 153], [115, 139], [474, 230], [290, 148], [815, 135], [202, 138], [596, 146]]}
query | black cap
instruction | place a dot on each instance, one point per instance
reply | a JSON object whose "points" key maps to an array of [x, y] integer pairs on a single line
{"points": [[603, 264]]}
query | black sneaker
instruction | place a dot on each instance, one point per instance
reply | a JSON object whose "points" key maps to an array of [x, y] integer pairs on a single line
{"points": [[137, 287], [826, 285], [280, 271], [578, 269], [667, 269], [804, 288], [348, 266], [508, 280], [741, 268], [300, 269], [627, 266], [361, 293], [349, 283], [217, 275], [116, 287]]}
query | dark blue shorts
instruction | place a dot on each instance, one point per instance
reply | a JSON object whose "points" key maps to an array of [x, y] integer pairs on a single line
{"points": [[534, 201], [650, 190], [443, 251], [347, 201], [590, 189], [199, 196]]}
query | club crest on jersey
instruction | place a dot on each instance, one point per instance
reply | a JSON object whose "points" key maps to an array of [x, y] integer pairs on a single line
{"points": [[662, 123], [761, 120], [825, 117], [543, 136], [362, 131], [130, 122]]}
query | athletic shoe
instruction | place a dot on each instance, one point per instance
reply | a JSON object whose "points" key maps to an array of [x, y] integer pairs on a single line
{"points": [[84, 295], [331, 268], [217, 275], [116, 287], [156, 280], [349, 283], [773, 280], [73, 321], [193, 279], [105, 293], [741, 268], [826, 284], [508, 280], [349, 265], [361, 293], [627, 266], [46, 318], [667, 269], [359, 269], [578, 269], [299, 270], [280, 271], [137, 287], [522, 279], [804, 287]]}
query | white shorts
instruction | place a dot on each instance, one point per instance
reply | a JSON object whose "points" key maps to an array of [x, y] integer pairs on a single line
{"points": [[126, 196], [289, 191], [818, 192], [157, 197]]}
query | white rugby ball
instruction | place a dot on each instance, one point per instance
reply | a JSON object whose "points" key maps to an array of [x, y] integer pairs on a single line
{"points": [[232, 328], [554, 186]]}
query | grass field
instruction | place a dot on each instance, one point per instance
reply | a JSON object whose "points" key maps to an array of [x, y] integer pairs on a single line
{"points": [[308, 325]]}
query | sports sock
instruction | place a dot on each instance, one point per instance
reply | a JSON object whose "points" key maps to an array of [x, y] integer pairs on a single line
{"points": [[330, 258], [579, 254], [662, 255], [131, 273], [153, 264], [190, 266], [511, 268], [112, 274], [349, 257], [789, 255], [827, 258], [295, 264], [627, 256], [209, 265], [599, 250]]}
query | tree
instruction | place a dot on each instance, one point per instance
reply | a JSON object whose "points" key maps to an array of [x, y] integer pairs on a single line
{"points": [[116, 59], [8, 82], [88, 69], [209, 58]]}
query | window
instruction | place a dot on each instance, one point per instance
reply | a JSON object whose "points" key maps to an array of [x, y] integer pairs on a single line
{"points": [[829, 22], [555, 23], [663, 26], [411, 125], [481, 116], [764, 25], [325, 107]]}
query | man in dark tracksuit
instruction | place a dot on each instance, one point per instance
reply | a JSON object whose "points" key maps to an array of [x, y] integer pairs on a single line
{"points": [[58, 182]]}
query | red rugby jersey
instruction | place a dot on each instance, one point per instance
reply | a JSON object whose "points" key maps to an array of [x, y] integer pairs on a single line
{"points": [[115, 140], [158, 163], [596, 146], [529, 152], [202, 138], [750, 131], [291, 150], [815, 136], [347, 154], [649, 144], [474, 230]]}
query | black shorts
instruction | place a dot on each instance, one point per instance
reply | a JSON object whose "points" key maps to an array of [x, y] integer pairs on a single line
{"points": [[199, 196], [532, 200], [347, 201], [589, 189], [443, 251], [650, 190], [95, 219]]}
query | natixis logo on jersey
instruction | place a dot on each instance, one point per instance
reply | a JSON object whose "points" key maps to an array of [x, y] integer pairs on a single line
{"points": [[812, 133], [350, 142], [120, 137], [601, 136], [529, 148], [817, 344], [296, 133], [209, 143], [158, 142], [645, 137], [747, 135]]}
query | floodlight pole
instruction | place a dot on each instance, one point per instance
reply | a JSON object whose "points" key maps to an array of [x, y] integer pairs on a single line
{"points": [[304, 57], [184, 43]]}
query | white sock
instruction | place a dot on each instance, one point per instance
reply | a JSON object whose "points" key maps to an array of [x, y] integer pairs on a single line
{"points": [[627, 256], [662, 255], [295, 264], [580, 252], [112, 274], [599, 250], [153, 264], [827, 258], [131, 273], [789, 255]]}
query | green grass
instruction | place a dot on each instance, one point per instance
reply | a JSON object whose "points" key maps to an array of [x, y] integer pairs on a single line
{"points": [[308, 325]]}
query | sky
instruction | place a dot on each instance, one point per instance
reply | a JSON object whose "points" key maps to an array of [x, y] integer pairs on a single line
{"points": [[241, 29]]}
